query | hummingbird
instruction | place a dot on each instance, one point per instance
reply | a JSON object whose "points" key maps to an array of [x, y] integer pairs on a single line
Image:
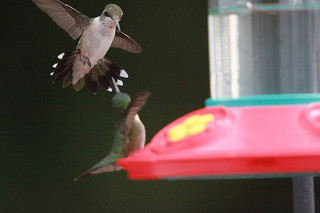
{"points": [[87, 64], [129, 133]]}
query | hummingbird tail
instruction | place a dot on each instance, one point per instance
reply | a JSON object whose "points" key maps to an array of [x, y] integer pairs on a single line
{"points": [[112, 167], [63, 69], [107, 164], [101, 74]]}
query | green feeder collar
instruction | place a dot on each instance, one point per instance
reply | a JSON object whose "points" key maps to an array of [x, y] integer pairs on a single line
{"points": [[264, 100]]}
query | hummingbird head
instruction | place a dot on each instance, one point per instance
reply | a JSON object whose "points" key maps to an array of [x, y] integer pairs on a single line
{"points": [[114, 12], [121, 101]]}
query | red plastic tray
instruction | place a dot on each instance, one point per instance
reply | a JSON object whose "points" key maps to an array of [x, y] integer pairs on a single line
{"points": [[238, 141]]}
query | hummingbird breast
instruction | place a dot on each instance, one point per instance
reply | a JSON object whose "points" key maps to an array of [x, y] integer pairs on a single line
{"points": [[93, 45], [137, 136]]}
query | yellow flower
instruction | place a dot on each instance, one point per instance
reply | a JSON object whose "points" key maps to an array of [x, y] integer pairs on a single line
{"points": [[192, 125]]}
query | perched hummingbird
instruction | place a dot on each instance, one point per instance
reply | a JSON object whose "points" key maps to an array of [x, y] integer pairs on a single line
{"points": [[86, 64], [129, 133]]}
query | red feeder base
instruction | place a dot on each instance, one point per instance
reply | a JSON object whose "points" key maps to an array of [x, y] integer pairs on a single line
{"points": [[231, 142]]}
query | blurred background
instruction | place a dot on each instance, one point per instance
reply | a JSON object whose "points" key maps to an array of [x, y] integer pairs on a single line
{"points": [[49, 135]]}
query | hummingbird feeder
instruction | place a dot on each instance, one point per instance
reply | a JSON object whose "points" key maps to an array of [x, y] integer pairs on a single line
{"points": [[263, 117]]}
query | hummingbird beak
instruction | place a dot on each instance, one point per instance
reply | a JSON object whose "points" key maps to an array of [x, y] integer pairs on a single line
{"points": [[116, 88], [117, 24]]}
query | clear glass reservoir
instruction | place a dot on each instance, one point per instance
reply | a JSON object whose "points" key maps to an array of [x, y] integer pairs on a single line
{"points": [[264, 47]]}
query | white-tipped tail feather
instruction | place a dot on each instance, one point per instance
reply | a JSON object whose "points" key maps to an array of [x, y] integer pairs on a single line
{"points": [[60, 56], [119, 83], [123, 74]]}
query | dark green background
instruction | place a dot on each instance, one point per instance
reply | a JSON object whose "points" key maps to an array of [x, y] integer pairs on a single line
{"points": [[49, 135]]}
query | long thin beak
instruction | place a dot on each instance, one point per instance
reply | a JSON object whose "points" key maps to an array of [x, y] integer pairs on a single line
{"points": [[116, 88], [118, 25]]}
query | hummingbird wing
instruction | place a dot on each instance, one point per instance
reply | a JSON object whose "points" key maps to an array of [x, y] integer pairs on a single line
{"points": [[138, 101], [123, 41], [68, 18]]}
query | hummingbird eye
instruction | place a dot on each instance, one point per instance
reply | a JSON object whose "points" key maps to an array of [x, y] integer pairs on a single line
{"points": [[106, 14]]}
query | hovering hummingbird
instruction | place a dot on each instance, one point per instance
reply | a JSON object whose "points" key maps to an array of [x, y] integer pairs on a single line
{"points": [[129, 133], [86, 64]]}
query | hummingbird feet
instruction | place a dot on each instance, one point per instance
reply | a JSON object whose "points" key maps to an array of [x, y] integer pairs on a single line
{"points": [[85, 60]]}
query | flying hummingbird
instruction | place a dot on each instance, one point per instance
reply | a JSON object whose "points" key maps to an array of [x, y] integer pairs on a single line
{"points": [[86, 64], [129, 133]]}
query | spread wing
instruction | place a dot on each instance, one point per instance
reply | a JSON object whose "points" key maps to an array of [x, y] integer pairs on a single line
{"points": [[68, 18], [135, 106], [124, 42]]}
